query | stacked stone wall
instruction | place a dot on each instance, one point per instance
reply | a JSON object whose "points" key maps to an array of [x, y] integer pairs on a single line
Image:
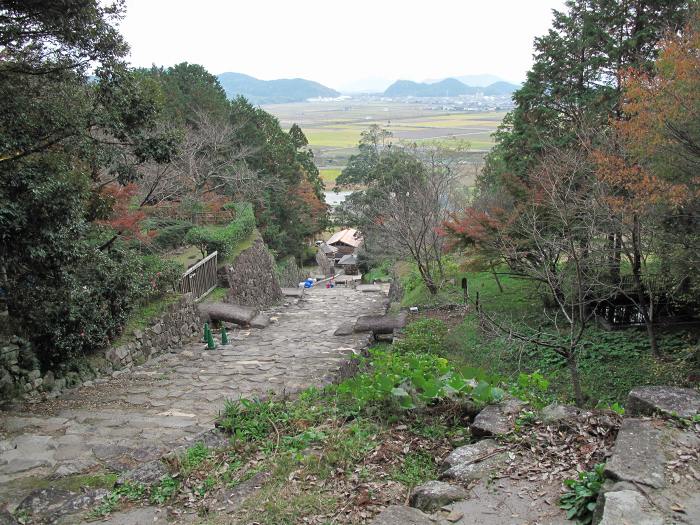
{"points": [[289, 273], [252, 278], [21, 375]]}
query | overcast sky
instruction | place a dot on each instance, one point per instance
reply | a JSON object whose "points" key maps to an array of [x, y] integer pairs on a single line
{"points": [[338, 43]]}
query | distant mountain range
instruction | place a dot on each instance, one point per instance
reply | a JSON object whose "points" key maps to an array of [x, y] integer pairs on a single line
{"points": [[449, 87], [273, 91], [471, 80], [298, 89]]}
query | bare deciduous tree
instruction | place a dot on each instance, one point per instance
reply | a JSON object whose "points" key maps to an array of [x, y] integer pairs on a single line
{"points": [[209, 160], [556, 238], [401, 212]]}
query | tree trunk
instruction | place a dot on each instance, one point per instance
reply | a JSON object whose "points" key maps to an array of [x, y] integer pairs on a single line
{"points": [[427, 279], [495, 276], [575, 379], [653, 343], [640, 292], [614, 257]]}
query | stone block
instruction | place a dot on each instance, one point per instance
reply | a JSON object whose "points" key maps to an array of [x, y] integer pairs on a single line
{"points": [[666, 400], [638, 455], [433, 495], [260, 321], [121, 352], [369, 288], [472, 462], [498, 419], [628, 506], [555, 413], [397, 515]]}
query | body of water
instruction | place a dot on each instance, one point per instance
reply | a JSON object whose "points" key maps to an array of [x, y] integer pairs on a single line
{"points": [[333, 198]]}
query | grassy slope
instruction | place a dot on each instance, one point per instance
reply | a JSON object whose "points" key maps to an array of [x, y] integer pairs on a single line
{"points": [[611, 363]]}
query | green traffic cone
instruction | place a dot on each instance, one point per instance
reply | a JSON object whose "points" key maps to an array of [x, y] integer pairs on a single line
{"points": [[211, 344], [224, 336], [207, 332]]}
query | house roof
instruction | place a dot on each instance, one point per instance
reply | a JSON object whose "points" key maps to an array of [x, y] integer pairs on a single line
{"points": [[350, 260], [328, 249], [351, 237]]}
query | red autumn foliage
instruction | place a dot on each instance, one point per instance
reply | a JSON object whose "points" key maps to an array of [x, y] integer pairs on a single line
{"points": [[473, 227], [124, 217]]}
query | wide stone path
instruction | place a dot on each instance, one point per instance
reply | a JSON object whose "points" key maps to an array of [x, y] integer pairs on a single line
{"points": [[120, 422]]}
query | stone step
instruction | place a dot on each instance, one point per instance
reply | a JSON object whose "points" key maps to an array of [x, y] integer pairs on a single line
{"points": [[638, 454]]}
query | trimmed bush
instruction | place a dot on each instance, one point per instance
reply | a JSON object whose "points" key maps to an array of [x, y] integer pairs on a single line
{"points": [[224, 238], [172, 234]]}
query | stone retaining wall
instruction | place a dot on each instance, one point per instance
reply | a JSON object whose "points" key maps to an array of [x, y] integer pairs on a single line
{"points": [[172, 329], [21, 377], [289, 273], [253, 278]]}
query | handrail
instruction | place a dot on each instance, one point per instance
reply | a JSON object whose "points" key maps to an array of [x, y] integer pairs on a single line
{"points": [[201, 278], [200, 263]]}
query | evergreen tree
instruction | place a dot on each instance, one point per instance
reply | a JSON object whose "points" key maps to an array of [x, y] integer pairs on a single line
{"points": [[576, 79]]}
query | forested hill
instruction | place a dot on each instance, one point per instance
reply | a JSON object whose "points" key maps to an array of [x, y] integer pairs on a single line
{"points": [[449, 87], [272, 91]]}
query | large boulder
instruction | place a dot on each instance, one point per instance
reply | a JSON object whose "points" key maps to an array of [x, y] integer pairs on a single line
{"points": [[666, 400], [381, 324], [231, 313], [498, 419], [397, 515], [433, 495]]}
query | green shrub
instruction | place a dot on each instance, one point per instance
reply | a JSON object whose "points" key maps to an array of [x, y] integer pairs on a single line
{"points": [[81, 308], [164, 490], [158, 277], [193, 457], [171, 233], [423, 335], [224, 239], [126, 492], [85, 306], [533, 388], [580, 501], [380, 273], [250, 420]]}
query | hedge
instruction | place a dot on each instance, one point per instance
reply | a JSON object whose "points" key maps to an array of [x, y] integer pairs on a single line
{"points": [[224, 239]]}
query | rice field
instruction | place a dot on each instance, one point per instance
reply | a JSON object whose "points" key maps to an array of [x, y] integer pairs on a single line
{"points": [[328, 176], [333, 128]]}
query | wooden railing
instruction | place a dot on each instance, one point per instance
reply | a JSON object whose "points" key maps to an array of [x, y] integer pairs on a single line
{"points": [[201, 278]]}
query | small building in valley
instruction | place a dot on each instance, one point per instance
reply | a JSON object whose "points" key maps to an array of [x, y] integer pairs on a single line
{"points": [[346, 242], [340, 251], [349, 264]]}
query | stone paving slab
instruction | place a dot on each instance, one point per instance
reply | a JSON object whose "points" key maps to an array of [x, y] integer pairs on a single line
{"points": [[125, 420]]}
